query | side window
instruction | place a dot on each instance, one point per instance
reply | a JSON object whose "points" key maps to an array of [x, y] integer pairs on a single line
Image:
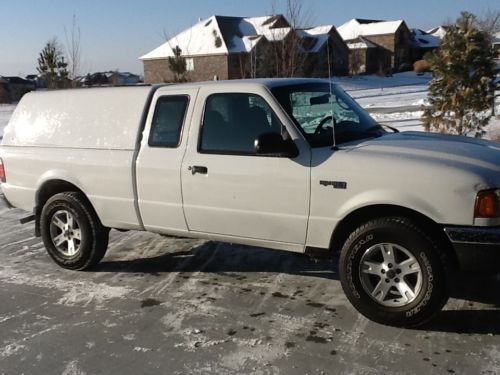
{"points": [[167, 121], [233, 121]]}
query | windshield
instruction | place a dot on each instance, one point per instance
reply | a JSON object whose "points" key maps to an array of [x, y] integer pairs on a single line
{"points": [[311, 106]]}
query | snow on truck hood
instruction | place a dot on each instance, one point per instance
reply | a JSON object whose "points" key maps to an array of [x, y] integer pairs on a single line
{"points": [[449, 151]]}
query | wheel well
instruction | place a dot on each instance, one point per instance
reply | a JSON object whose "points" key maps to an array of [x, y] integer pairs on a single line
{"points": [[49, 189], [362, 215], [53, 187]]}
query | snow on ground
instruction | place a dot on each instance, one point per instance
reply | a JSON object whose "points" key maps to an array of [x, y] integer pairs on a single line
{"points": [[352, 83], [5, 113], [494, 129], [396, 101]]}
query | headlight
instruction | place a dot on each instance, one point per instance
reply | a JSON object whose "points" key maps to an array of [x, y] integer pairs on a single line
{"points": [[487, 204]]}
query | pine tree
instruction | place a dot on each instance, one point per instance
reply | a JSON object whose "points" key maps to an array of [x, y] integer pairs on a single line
{"points": [[177, 65], [461, 91], [51, 65]]}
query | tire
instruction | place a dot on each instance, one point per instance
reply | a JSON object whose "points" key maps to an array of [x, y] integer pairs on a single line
{"points": [[393, 273], [72, 233]]}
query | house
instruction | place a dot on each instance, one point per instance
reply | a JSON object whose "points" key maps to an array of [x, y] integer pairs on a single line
{"points": [[223, 47], [391, 38], [37, 79], [219, 47], [324, 49], [496, 45], [4, 91], [18, 86], [110, 78], [366, 57], [423, 42], [438, 32], [123, 78]]}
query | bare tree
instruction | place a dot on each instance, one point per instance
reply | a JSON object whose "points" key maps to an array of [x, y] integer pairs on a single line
{"points": [[286, 55], [73, 50], [489, 22], [357, 61]]}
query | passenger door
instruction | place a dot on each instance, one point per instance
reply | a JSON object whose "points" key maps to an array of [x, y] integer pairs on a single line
{"points": [[227, 188]]}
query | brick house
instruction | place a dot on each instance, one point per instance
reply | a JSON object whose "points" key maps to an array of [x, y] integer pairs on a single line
{"points": [[4, 91], [224, 47], [422, 42], [366, 57], [15, 87], [220, 47], [392, 39], [496, 45], [320, 41]]}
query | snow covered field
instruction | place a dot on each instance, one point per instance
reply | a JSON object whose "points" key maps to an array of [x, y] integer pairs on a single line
{"points": [[5, 113]]}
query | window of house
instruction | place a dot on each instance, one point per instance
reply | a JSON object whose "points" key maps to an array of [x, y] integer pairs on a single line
{"points": [[168, 119], [189, 64], [233, 121]]}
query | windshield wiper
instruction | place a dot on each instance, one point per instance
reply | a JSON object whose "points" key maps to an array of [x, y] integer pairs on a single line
{"points": [[389, 127]]}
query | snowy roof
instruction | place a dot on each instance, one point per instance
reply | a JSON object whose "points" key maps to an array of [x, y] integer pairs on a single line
{"points": [[316, 37], [360, 43], [496, 38], [355, 28], [221, 35], [438, 32], [319, 30], [204, 38], [422, 39], [277, 34]]}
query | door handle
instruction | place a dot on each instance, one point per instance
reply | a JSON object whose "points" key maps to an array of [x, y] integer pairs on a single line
{"points": [[198, 169]]}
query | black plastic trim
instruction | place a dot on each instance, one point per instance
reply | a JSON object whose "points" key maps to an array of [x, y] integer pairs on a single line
{"points": [[476, 248], [474, 235]]}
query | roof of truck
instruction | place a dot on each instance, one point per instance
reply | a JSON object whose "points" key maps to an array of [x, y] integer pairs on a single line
{"points": [[268, 82]]}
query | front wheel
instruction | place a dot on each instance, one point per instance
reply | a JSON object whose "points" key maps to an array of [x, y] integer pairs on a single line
{"points": [[393, 273], [71, 231]]}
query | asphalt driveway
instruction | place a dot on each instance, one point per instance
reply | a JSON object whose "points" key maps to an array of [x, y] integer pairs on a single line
{"points": [[175, 306]]}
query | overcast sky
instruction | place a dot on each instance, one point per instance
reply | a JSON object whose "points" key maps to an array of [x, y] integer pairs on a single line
{"points": [[114, 34]]}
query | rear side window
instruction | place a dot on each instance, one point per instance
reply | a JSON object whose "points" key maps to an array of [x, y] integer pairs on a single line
{"points": [[233, 121], [168, 119]]}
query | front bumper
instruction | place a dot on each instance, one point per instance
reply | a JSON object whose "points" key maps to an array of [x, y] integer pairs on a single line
{"points": [[477, 248]]}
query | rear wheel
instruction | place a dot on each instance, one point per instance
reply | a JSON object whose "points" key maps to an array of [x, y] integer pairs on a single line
{"points": [[393, 273], [72, 233]]}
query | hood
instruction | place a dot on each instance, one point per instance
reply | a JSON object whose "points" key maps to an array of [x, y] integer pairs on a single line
{"points": [[472, 154]]}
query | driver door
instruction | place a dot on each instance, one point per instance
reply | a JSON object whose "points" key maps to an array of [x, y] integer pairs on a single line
{"points": [[227, 188]]}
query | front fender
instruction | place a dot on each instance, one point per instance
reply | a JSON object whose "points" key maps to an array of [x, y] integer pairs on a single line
{"points": [[392, 198]]}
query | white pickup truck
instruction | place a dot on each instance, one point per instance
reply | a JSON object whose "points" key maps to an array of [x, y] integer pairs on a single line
{"points": [[254, 162]]}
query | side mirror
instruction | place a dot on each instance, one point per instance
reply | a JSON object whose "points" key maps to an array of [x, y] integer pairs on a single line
{"points": [[273, 144]]}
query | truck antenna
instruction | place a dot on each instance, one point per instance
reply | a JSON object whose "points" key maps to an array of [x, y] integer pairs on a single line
{"points": [[334, 122]]}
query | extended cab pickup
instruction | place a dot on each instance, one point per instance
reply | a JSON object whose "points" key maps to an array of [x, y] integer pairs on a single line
{"points": [[289, 164]]}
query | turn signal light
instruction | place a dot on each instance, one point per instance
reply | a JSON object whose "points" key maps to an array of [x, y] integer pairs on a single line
{"points": [[2, 172], [487, 204]]}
